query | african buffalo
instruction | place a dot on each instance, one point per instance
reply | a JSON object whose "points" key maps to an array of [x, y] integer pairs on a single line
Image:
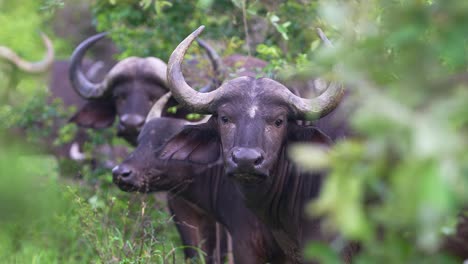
{"points": [[203, 187], [254, 123]]}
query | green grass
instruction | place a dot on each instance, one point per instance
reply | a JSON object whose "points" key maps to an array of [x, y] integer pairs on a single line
{"points": [[55, 220]]}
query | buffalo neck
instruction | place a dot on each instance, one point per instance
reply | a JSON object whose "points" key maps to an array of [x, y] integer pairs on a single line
{"points": [[214, 193], [280, 203], [218, 196]]}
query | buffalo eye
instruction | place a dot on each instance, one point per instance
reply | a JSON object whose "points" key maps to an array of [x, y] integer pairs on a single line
{"points": [[224, 119], [278, 122]]}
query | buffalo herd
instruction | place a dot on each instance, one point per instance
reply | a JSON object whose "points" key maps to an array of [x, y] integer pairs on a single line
{"points": [[230, 184], [233, 168]]}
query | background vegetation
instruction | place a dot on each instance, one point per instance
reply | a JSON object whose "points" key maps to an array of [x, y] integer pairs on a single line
{"points": [[398, 187]]}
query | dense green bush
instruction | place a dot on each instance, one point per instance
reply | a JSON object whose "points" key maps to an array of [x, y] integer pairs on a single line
{"points": [[154, 28], [400, 187]]}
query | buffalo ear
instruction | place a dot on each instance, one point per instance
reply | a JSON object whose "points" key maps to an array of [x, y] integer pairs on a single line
{"points": [[308, 134], [195, 143], [95, 114]]}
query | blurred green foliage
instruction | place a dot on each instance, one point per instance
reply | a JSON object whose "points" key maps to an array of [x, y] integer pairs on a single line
{"points": [[399, 188], [21, 35], [21, 25]]}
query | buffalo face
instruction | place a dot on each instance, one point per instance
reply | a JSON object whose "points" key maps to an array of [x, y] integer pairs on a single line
{"points": [[142, 171], [130, 101], [133, 99], [252, 127]]}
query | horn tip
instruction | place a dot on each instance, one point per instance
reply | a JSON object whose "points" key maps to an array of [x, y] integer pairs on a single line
{"points": [[323, 37], [199, 29], [44, 36], [49, 45]]}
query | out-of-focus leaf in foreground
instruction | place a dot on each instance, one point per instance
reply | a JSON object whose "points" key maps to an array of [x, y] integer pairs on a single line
{"points": [[400, 185]]}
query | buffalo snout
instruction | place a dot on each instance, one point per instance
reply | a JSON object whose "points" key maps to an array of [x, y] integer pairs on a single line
{"points": [[247, 157], [247, 164], [130, 126], [125, 177], [132, 121]]}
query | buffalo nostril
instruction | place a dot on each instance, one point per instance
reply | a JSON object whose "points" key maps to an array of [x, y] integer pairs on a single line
{"points": [[258, 161], [132, 120], [233, 156], [121, 171], [126, 173]]}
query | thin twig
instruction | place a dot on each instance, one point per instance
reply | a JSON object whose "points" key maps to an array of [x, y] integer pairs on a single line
{"points": [[324, 37], [246, 30]]}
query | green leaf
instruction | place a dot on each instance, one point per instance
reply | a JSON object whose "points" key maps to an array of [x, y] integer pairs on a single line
{"points": [[322, 253], [160, 5], [269, 51], [205, 4], [193, 116], [172, 109], [145, 3], [310, 157]]}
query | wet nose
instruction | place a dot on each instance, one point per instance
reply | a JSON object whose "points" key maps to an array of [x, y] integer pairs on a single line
{"points": [[132, 120], [121, 172], [247, 157]]}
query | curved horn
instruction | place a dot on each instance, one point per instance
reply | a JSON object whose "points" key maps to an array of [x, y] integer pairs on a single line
{"points": [[93, 71], [186, 95], [80, 83], [218, 69], [318, 106], [156, 110], [32, 67], [323, 104]]}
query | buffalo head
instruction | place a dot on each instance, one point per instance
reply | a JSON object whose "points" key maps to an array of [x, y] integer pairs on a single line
{"points": [[128, 91], [142, 170], [254, 119]]}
